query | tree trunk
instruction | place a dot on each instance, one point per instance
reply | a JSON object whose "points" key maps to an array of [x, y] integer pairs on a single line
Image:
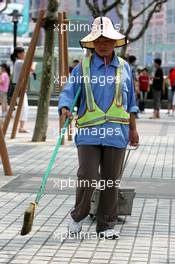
{"points": [[148, 9], [41, 124], [45, 91]]}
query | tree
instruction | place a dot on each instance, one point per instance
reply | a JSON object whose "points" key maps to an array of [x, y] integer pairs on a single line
{"points": [[5, 6], [45, 91], [148, 11], [94, 7]]}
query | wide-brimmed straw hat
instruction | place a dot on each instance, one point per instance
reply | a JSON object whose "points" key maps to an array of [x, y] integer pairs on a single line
{"points": [[103, 26]]}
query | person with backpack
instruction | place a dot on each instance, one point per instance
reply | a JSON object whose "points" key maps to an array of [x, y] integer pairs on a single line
{"points": [[105, 124]]}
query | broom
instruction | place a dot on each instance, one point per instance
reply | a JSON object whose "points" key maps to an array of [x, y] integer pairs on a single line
{"points": [[30, 211]]}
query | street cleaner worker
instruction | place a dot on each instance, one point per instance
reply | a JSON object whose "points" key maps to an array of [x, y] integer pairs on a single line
{"points": [[105, 124]]}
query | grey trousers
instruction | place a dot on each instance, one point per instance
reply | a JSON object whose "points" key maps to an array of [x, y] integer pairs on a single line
{"points": [[156, 99], [98, 162]]}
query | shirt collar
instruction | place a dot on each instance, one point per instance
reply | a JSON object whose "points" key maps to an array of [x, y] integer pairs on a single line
{"points": [[98, 61]]}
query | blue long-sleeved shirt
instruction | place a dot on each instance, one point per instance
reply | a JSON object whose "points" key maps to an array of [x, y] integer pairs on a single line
{"points": [[103, 87]]}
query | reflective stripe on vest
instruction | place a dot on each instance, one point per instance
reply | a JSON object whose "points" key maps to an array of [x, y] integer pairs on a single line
{"points": [[94, 115], [89, 95]]}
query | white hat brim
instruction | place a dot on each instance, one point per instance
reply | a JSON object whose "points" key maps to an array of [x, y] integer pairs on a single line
{"points": [[89, 44], [108, 32]]}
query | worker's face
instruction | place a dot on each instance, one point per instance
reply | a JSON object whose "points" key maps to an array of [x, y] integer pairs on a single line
{"points": [[104, 46]]}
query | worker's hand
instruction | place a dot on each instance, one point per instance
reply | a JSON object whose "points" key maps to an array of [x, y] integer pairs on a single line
{"points": [[133, 138], [66, 113]]}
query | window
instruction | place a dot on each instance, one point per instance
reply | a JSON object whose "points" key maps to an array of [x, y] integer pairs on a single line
{"points": [[149, 39], [171, 37], [170, 4], [170, 16], [78, 3], [159, 38]]}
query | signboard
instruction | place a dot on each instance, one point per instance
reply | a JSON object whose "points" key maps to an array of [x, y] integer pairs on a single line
{"points": [[6, 24]]}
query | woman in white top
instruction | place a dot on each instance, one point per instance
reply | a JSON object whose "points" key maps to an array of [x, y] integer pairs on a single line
{"points": [[20, 56]]}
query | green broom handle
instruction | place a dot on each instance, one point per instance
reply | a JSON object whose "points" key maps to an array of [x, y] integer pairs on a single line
{"points": [[47, 173]]}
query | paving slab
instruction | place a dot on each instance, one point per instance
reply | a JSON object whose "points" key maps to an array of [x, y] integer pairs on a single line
{"points": [[148, 236]]}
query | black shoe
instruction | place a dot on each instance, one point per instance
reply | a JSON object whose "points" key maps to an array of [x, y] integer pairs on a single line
{"points": [[109, 234]]}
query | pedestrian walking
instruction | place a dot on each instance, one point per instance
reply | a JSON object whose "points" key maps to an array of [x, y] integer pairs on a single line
{"points": [[4, 86], [157, 87], [74, 63], [132, 63], [105, 123], [143, 86], [171, 78], [20, 56]]}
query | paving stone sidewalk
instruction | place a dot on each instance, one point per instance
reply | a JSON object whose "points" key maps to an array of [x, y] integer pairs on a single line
{"points": [[148, 236]]}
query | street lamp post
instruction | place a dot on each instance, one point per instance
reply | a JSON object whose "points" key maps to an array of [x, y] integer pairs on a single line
{"points": [[15, 19]]}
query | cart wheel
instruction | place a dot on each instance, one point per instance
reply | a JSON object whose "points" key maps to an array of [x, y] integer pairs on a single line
{"points": [[121, 220]]}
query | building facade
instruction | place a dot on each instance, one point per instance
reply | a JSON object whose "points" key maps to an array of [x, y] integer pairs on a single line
{"points": [[159, 38]]}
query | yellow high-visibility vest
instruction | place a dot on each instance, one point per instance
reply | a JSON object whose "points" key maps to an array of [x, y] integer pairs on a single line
{"points": [[94, 115]]}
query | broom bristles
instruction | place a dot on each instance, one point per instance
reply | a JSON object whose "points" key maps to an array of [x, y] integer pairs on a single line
{"points": [[28, 219]]}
